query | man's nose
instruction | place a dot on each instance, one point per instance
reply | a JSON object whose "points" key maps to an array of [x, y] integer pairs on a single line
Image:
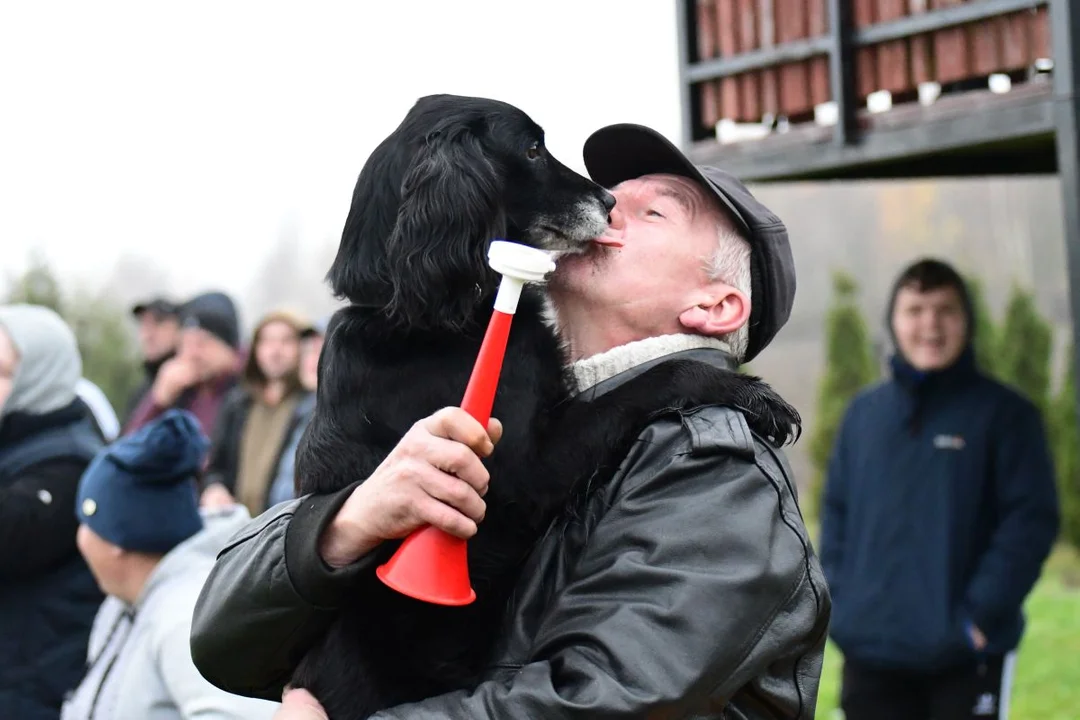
{"points": [[616, 218]]}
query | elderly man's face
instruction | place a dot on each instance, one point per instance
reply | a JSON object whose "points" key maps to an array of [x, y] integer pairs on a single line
{"points": [[648, 275]]}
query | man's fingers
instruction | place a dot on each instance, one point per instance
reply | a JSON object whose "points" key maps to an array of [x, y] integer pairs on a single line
{"points": [[299, 705], [495, 430], [440, 515], [454, 423], [456, 459], [456, 493]]}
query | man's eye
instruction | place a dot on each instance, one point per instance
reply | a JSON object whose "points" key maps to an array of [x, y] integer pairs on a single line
{"points": [[654, 212]]}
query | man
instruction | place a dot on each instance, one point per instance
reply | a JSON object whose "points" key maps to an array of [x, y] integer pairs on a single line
{"points": [[149, 548], [258, 417], [685, 588], [939, 510], [283, 486], [204, 369], [47, 438], [159, 336]]}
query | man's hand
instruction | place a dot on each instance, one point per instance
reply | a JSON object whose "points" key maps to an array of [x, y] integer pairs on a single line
{"points": [[216, 495], [433, 476], [174, 377], [299, 705], [978, 640]]}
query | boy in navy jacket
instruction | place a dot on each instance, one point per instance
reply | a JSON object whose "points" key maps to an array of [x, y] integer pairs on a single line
{"points": [[940, 508]]}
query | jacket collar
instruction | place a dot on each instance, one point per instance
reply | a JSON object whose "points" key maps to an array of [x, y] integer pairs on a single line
{"points": [[18, 426], [600, 373], [637, 356], [923, 388]]}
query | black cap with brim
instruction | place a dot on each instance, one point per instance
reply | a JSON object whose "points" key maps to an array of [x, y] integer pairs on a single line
{"points": [[626, 151], [158, 306]]}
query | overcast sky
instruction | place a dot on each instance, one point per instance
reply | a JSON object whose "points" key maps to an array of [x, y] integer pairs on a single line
{"points": [[195, 132]]}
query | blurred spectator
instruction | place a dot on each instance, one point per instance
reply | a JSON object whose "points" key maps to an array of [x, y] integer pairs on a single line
{"points": [[940, 508], [258, 417], [204, 369], [47, 438], [283, 486], [100, 407], [150, 550], [159, 337]]}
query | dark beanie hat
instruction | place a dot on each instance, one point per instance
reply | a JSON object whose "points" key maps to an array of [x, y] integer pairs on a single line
{"points": [[140, 493], [215, 313]]}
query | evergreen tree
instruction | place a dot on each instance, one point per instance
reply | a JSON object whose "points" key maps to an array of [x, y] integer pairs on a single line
{"points": [[1025, 349], [986, 332], [849, 367], [1065, 441], [38, 286]]}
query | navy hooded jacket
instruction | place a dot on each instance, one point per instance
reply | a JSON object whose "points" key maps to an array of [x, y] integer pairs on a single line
{"points": [[939, 511]]}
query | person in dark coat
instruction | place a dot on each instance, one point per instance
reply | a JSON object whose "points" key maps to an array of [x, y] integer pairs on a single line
{"points": [[48, 597], [940, 508], [159, 338], [680, 585]]}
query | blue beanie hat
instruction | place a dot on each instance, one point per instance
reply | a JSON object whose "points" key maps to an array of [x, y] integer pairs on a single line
{"points": [[140, 493]]}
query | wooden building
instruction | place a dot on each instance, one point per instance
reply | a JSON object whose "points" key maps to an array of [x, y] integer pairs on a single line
{"points": [[843, 89]]}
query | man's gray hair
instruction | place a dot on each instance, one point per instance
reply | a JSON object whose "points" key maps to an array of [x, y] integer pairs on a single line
{"points": [[730, 263]]}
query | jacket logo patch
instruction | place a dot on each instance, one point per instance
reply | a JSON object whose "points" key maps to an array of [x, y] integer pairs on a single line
{"points": [[985, 705], [949, 442]]}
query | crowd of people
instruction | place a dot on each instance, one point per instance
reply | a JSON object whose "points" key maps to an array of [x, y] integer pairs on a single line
{"points": [[158, 564], [113, 520]]}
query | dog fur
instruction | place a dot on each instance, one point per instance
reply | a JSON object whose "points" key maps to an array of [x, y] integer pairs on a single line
{"points": [[457, 173]]}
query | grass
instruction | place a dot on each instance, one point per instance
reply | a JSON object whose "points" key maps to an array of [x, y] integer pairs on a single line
{"points": [[1047, 684]]}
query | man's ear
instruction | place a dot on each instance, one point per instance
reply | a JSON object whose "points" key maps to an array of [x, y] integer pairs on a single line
{"points": [[718, 313]]}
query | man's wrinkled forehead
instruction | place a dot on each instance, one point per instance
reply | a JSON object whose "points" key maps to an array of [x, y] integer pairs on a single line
{"points": [[690, 196]]}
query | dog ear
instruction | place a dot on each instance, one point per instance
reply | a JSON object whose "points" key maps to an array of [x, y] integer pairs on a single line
{"points": [[450, 210], [359, 272]]}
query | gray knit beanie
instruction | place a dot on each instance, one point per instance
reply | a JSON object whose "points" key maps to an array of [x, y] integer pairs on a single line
{"points": [[49, 363]]}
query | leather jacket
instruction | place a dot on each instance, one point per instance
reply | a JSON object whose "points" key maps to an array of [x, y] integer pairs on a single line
{"points": [[687, 587]]}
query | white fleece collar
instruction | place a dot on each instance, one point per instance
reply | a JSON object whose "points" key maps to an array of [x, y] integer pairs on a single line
{"points": [[592, 370]]}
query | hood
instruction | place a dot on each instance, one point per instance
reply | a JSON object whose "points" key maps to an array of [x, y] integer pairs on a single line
{"points": [[49, 363], [199, 552]]}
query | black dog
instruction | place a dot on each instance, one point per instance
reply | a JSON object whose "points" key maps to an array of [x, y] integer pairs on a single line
{"points": [[457, 173]]}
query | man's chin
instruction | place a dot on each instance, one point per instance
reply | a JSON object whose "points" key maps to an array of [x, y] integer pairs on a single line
{"points": [[568, 269], [590, 255]]}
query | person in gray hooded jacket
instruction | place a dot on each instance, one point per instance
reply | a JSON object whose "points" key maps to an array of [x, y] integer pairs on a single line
{"points": [[47, 438], [680, 584], [150, 548]]}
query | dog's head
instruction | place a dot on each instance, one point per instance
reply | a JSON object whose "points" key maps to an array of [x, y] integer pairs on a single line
{"points": [[456, 174]]}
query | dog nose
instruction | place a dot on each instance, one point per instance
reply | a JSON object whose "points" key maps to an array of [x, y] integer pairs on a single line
{"points": [[608, 199]]}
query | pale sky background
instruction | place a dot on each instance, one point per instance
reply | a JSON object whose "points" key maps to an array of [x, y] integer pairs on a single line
{"points": [[195, 134]]}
